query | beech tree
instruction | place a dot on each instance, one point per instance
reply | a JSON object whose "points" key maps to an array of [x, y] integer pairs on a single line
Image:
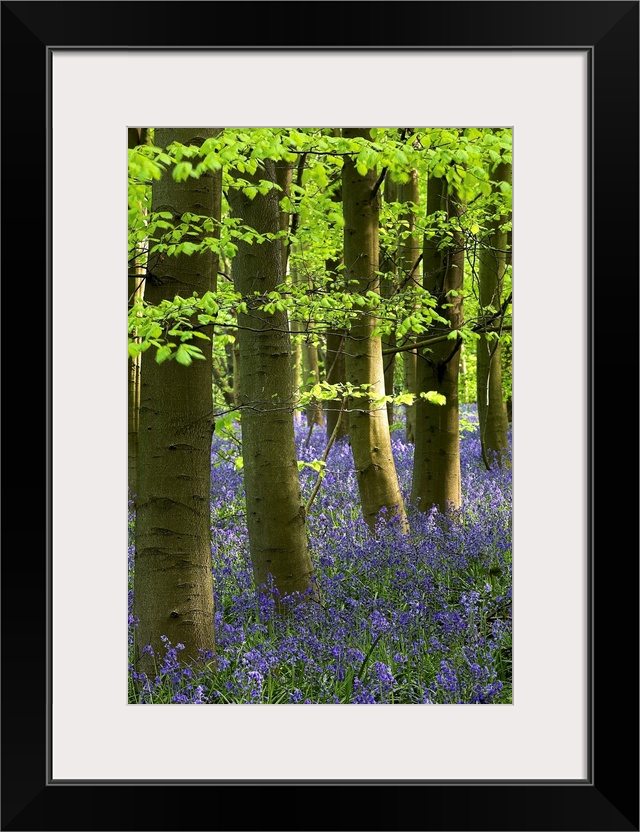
{"points": [[492, 411], [275, 512], [409, 265], [436, 468], [173, 590], [368, 424], [388, 287], [337, 419], [308, 369], [401, 273], [135, 289]]}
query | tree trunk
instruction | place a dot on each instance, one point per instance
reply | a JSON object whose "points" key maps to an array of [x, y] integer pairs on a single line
{"points": [[298, 381], [388, 288], [275, 511], [135, 290], [408, 256], [308, 368], [336, 374], [311, 371], [335, 345], [492, 412], [368, 424], [173, 589], [436, 469], [235, 357], [284, 177]]}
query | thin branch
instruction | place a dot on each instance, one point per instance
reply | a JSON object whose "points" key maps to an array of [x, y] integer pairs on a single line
{"points": [[324, 458], [337, 355], [308, 440], [294, 214], [439, 338], [221, 383], [378, 184]]}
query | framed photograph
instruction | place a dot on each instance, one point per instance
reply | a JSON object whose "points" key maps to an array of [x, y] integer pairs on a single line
{"points": [[564, 77]]}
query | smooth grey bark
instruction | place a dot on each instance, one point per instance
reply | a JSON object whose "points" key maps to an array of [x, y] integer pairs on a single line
{"points": [[135, 289], [408, 259], [336, 374], [388, 288], [436, 469], [306, 368], [368, 423], [275, 512], [337, 418], [173, 588], [492, 411]]}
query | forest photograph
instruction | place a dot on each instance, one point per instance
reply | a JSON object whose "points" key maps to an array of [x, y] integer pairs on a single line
{"points": [[320, 382]]}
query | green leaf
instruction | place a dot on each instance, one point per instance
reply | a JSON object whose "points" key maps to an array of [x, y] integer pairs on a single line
{"points": [[382, 400], [434, 397], [212, 161], [316, 465], [183, 357], [182, 171], [405, 398], [194, 352], [319, 175], [163, 353], [400, 158]]}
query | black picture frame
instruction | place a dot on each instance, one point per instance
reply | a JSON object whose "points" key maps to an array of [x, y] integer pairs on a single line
{"points": [[608, 798]]}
